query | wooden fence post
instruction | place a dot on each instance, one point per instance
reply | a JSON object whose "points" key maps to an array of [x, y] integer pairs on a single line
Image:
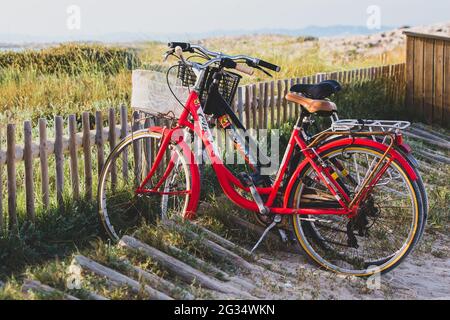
{"points": [[74, 157], [2, 223], [279, 102], [254, 108], [87, 155], [29, 181], [148, 148], [248, 101], [112, 144], [137, 151], [272, 104], [99, 141], [43, 158], [266, 105], [240, 104], [261, 106], [11, 168], [285, 102], [291, 105], [59, 157], [123, 134]]}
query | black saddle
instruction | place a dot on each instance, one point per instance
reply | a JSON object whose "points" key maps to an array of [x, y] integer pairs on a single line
{"points": [[319, 91]]}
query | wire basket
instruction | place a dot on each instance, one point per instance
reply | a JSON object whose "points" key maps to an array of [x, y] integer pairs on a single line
{"points": [[151, 93], [227, 87]]}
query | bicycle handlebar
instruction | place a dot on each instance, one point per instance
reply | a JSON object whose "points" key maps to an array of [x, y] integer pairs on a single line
{"points": [[268, 65], [251, 62]]}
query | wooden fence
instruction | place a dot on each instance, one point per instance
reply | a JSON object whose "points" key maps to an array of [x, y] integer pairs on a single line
{"points": [[262, 105], [37, 168], [428, 76]]}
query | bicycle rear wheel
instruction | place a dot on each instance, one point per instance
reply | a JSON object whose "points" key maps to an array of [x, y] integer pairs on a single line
{"points": [[380, 236], [121, 208]]}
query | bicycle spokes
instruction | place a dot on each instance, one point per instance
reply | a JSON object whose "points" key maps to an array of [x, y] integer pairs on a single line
{"points": [[382, 225]]}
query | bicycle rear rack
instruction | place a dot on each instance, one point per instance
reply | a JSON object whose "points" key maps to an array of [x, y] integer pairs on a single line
{"points": [[369, 125]]}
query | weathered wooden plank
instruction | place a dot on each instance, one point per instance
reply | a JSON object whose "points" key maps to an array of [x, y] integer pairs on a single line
{"points": [[213, 271], [99, 141], [427, 133], [36, 286], [148, 155], [446, 117], [266, 105], [272, 105], [43, 157], [423, 128], [118, 278], [123, 134], [2, 222], [74, 157], [257, 230], [197, 263], [248, 101], [112, 138], [285, 102], [59, 159], [434, 142], [292, 106], [87, 155], [261, 106], [29, 180], [432, 156], [418, 78], [220, 240], [428, 86], [279, 102], [216, 249], [158, 283], [179, 268], [254, 107], [137, 150], [11, 169], [438, 110], [240, 104]]}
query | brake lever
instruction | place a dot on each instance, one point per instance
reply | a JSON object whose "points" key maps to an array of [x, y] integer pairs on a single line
{"points": [[168, 54], [263, 70]]}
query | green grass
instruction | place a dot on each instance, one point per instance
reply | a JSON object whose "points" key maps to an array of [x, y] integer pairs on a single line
{"points": [[55, 234]]}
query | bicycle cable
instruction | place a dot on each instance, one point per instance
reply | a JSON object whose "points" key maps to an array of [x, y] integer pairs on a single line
{"points": [[170, 88]]}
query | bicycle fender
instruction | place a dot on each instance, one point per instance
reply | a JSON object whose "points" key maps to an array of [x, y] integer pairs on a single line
{"points": [[382, 148]]}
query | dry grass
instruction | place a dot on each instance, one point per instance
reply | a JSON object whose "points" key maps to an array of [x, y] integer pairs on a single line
{"points": [[76, 78]]}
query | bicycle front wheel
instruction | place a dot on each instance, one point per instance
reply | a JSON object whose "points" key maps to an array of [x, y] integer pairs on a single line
{"points": [[122, 208], [380, 236]]}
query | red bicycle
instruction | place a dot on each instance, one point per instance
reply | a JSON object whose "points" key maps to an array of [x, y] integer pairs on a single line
{"points": [[354, 201]]}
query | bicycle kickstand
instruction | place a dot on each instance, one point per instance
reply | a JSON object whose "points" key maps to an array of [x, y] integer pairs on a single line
{"points": [[276, 221]]}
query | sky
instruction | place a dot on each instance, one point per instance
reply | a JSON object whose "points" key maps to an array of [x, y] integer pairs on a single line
{"points": [[49, 18]]}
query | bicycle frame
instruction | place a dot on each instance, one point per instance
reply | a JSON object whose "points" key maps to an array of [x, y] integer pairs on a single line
{"points": [[231, 184]]}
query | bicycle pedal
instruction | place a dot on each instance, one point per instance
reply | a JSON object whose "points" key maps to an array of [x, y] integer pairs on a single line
{"points": [[283, 236], [245, 179]]}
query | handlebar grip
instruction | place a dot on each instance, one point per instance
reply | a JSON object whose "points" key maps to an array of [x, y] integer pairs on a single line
{"points": [[179, 51], [183, 45], [245, 69], [269, 65]]}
